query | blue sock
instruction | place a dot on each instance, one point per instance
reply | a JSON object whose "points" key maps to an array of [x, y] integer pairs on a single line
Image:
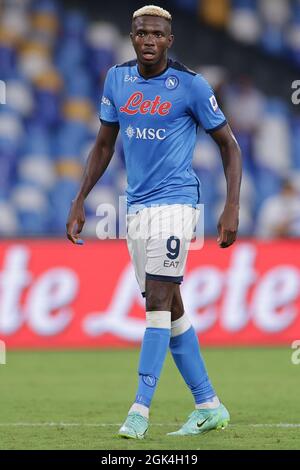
{"points": [[154, 349], [187, 356]]}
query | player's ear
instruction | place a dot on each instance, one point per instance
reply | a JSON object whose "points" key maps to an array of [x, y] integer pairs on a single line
{"points": [[171, 40]]}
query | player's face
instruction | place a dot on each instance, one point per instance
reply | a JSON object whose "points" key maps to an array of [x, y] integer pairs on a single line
{"points": [[151, 38]]}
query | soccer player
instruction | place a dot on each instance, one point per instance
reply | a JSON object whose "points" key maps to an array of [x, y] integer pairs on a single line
{"points": [[157, 104]]}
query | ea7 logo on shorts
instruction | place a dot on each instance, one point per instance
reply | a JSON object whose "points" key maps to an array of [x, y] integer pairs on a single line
{"points": [[170, 264], [129, 78], [213, 103]]}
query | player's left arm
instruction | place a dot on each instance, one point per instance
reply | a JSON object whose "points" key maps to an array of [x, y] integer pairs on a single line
{"points": [[232, 164]]}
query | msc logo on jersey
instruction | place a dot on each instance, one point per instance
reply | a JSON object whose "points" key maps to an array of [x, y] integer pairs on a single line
{"points": [[136, 104], [145, 133], [172, 82], [130, 132]]}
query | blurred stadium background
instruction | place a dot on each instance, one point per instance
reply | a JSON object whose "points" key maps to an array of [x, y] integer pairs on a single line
{"points": [[54, 56]]}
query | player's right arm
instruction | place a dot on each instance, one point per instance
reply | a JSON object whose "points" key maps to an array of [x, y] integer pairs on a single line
{"points": [[97, 163], [99, 156]]}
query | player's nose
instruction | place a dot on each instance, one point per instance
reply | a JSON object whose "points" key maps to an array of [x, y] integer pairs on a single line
{"points": [[149, 40]]}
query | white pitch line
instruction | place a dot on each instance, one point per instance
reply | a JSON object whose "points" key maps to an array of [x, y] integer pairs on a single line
{"points": [[59, 424], [279, 425], [96, 425]]}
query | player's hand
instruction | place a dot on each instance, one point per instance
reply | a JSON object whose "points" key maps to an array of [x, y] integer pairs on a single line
{"points": [[228, 225], [75, 222]]}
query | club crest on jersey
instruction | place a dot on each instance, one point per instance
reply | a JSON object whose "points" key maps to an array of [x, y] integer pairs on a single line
{"points": [[136, 104], [171, 82]]}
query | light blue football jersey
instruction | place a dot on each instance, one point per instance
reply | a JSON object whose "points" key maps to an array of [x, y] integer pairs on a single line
{"points": [[158, 119]]}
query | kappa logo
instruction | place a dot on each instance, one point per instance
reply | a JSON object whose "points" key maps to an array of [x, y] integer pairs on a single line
{"points": [[172, 82]]}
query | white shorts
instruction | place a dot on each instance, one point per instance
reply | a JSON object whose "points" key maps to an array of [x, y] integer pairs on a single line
{"points": [[158, 240]]}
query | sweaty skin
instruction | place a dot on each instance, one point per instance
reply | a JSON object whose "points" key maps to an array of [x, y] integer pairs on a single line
{"points": [[151, 38]]}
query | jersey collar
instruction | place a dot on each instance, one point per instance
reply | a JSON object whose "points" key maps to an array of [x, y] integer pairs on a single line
{"points": [[153, 76]]}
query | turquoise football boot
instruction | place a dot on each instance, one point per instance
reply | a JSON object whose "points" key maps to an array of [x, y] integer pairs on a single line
{"points": [[204, 420], [135, 426]]}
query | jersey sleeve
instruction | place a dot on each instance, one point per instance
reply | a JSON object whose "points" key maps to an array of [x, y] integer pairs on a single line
{"points": [[204, 106], [108, 113]]}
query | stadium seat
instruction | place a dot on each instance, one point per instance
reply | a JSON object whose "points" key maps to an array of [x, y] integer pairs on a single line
{"points": [[32, 207], [272, 142], [243, 22], [296, 142], [9, 220]]}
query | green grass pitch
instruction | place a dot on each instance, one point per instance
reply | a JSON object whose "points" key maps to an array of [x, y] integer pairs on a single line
{"points": [[78, 399]]}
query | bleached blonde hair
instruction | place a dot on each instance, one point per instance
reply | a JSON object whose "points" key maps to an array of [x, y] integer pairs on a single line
{"points": [[152, 10]]}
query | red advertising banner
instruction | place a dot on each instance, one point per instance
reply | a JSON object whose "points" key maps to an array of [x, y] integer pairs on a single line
{"points": [[57, 295]]}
